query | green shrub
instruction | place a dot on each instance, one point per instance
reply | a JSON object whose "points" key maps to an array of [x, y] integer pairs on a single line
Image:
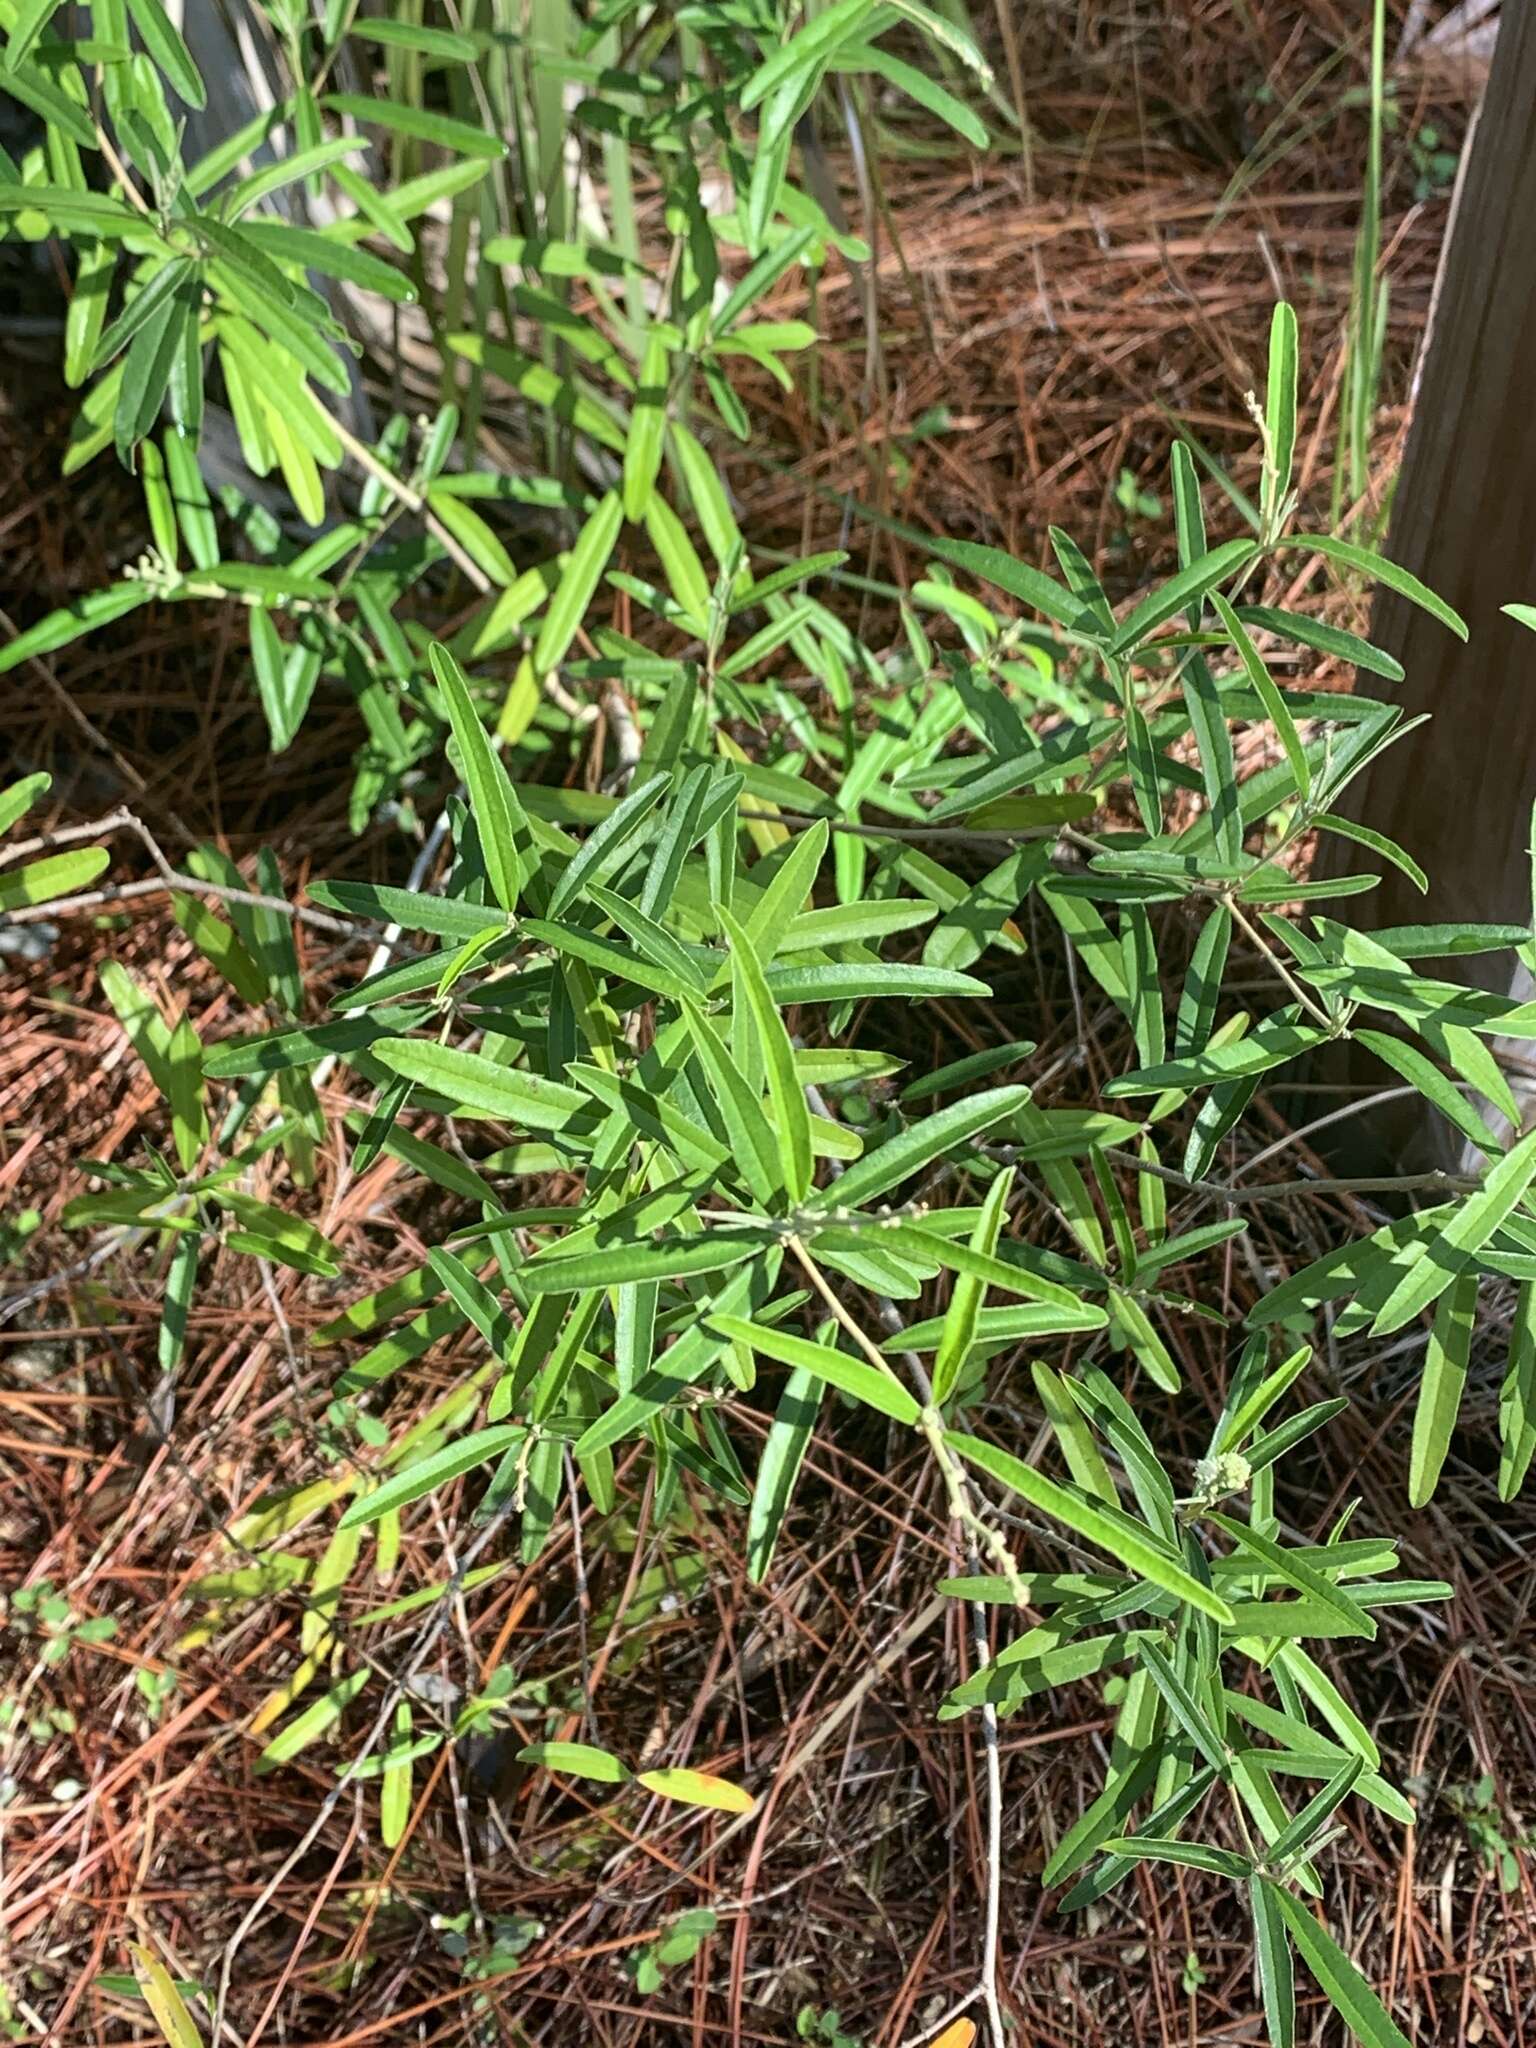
{"points": [[652, 990]]}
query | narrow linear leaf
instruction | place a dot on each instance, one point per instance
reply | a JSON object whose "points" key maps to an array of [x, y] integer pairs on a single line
{"points": [[879, 1390], [1380, 570], [1347, 1991], [1137, 1554], [432, 1472]]}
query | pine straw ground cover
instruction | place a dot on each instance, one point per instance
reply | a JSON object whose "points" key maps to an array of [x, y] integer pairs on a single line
{"points": [[1037, 323]]}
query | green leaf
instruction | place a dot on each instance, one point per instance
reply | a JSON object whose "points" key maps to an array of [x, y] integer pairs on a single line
{"points": [[267, 657], [917, 85], [1007, 1686], [1270, 1044], [1280, 410], [31, 17], [1092, 940], [410, 35], [163, 40], [61, 874], [1346, 1724], [985, 911], [189, 493], [680, 560], [271, 1233], [969, 1293], [1420, 941], [1193, 1855], [784, 1449], [799, 59], [147, 369], [395, 1774], [72, 621], [1185, 1708], [765, 272], [1293, 1840], [1323, 638], [1517, 1397], [1140, 1554], [620, 1265], [412, 911], [1276, 1972], [585, 565], [1275, 1443], [927, 1243], [1188, 511], [919, 1145], [475, 1299], [275, 1051], [1213, 737], [482, 1087], [843, 924], [791, 1115], [189, 1110], [238, 198], [606, 848], [1294, 1571], [1190, 583], [1362, 835], [1472, 1222], [576, 1760], [417, 122], [1380, 570], [855, 981], [753, 1143], [147, 301], [316, 1720], [1445, 1374], [18, 799], [1276, 709], [1031, 587], [949, 34], [974, 1067], [1085, 1461], [867, 1383], [995, 1327], [1436, 1088], [431, 1472], [139, 1014], [497, 813], [1347, 1991], [1247, 1403], [647, 425], [622, 963]]}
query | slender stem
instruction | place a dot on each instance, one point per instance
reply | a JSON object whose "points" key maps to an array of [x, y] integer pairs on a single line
{"points": [[1436, 1181], [979, 1534], [125, 892], [1293, 986], [168, 878]]}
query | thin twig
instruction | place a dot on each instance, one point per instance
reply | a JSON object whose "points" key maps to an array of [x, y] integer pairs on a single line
{"points": [[124, 820], [1435, 1181], [980, 1535]]}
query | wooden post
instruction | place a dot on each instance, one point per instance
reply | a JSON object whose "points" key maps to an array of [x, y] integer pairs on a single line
{"points": [[1458, 792]]}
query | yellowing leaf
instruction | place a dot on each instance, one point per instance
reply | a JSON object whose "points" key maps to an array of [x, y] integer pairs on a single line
{"points": [[164, 2000], [276, 1704], [959, 2033], [698, 1788]]}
